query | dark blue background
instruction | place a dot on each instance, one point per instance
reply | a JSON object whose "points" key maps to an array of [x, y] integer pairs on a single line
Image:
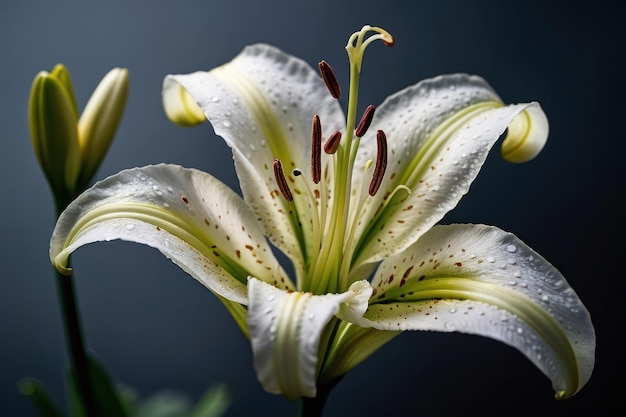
{"points": [[156, 328]]}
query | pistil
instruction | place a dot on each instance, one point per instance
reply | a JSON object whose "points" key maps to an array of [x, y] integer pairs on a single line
{"points": [[333, 231]]}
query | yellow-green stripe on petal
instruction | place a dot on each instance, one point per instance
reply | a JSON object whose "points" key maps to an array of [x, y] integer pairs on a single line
{"points": [[481, 280]]}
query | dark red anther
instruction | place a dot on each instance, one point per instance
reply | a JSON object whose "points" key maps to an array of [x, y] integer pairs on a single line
{"points": [[365, 122], [332, 144], [328, 75], [381, 163], [281, 180], [316, 149]]}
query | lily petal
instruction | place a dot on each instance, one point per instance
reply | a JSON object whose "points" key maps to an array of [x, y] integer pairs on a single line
{"points": [[439, 134], [285, 331], [481, 280], [188, 215], [262, 104]]}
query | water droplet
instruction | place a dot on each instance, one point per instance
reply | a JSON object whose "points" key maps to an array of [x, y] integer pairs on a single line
{"points": [[215, 99], [544, 297], [511, 248], [449, 325], [491, 259], [270, 298], [227, 123], [453, 310], [130, 226], [472, 256]]}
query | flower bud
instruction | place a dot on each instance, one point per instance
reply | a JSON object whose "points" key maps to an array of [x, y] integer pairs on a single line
{"points": [[69, 149], [99, 121], [53, 128]]}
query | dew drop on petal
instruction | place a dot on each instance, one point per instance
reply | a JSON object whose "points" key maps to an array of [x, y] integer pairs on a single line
{"points": [[130, 227], [227, 123], [215, 99], [511, 248]]}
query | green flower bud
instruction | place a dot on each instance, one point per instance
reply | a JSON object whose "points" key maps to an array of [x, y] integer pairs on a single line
{"points": [[53, 129], [69, 149], [99, 121]]}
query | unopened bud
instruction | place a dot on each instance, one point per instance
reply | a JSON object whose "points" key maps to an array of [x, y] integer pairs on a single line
{"points": [[54, 135], [99, 121]]}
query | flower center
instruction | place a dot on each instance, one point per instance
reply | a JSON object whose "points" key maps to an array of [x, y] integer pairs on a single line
{"points": [[330, 195]]}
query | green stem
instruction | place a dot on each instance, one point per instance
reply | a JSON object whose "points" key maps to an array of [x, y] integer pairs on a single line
{"points": [[76, 345], [314, 407], [75, 341]]}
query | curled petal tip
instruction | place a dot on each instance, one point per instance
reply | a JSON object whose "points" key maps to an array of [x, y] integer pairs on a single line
{"points": [[180, 107], [526, 136]]}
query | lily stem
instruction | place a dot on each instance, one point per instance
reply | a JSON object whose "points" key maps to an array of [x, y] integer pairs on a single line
{"points": [[76, 345], [75, 341], [314, 407]]}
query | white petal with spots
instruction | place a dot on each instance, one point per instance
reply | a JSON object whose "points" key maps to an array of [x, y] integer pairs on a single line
{"points": [[188, 215], [481, 280], [285, 331], [262, 104], [439, 133]]}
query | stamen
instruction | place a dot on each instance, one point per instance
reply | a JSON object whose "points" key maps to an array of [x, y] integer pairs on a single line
{"points": [[281, 181], [365, 122], [332, 144], [328, 75], [316, 149], [381, 163]]}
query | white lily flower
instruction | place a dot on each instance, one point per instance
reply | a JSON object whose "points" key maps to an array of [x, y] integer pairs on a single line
{"points": [[358, 222]]}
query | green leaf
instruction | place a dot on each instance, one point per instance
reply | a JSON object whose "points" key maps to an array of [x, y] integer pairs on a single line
{"points": [[39, 397], [213, 403], [109, 399], [164, 404]]}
